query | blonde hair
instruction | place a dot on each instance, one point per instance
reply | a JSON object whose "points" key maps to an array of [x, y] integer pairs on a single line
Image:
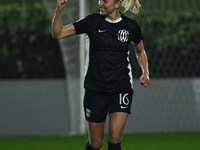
{"points": [[132, 5]]}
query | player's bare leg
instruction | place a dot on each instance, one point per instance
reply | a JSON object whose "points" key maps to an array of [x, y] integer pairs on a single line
{"points": [[96, 135], [117, 121]]}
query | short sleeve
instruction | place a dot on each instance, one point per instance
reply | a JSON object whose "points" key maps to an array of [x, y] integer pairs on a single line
{"points": [[137, 37], [82, 25]]}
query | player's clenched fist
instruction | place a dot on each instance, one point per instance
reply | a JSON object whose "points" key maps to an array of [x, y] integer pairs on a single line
{"points": [[61, 4], [144, 80]]}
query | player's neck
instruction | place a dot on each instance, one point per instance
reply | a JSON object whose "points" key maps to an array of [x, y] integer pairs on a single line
{"points": [[114, 15]]}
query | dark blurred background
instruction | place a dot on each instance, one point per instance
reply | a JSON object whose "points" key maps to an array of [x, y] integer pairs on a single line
{"points": [[27, 49]]}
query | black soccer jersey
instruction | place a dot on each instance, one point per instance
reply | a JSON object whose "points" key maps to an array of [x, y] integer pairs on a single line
{"points": [[108, 67]]}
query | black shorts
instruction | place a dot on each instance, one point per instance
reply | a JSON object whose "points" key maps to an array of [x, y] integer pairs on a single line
{"points": [[98, 104]]}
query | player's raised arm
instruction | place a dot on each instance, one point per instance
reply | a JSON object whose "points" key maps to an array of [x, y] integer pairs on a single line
{"points": [[143, 62], [58, 30]]}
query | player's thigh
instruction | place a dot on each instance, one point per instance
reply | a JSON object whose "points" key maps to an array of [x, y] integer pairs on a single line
{"points": [[117, 121], [96, 132]]}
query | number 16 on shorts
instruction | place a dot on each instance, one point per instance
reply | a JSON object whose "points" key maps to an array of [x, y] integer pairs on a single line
{"points": [[123, 100]]}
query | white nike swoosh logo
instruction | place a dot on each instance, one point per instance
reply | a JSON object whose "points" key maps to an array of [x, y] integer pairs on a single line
{"points": [[123, 107], [102, 31]]}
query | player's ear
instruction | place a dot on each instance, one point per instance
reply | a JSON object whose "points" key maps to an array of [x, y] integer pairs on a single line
{"points": [[117, 4]]}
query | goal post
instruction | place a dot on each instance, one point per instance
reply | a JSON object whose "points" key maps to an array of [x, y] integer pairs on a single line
{"points": [[73, 55], [82, 13]]}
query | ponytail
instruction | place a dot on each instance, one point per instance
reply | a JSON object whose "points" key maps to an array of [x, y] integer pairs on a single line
{"points": [[132, 5]]}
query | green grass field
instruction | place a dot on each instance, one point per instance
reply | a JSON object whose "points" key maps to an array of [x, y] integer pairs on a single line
{"points": [[166, 141]]}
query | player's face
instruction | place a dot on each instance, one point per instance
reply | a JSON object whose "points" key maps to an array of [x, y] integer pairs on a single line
{"points": [[107, 6]]}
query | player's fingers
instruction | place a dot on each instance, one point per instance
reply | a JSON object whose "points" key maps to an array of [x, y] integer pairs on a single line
{"points": [[147, 83], [142, 79], [142, 82], [61, 4]]}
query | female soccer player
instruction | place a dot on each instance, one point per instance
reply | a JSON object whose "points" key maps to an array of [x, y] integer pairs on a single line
{"points": [[108, 88]]}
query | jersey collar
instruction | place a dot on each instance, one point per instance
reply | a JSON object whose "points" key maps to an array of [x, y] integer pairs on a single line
{"points": [[113, 21]]}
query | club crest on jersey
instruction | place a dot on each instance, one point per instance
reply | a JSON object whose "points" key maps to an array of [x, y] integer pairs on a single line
{"points": [[88, 112], [123, 35]]}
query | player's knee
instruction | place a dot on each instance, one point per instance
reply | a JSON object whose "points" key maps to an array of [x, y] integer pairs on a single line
{"points": [[97, 143], [114, 138]]}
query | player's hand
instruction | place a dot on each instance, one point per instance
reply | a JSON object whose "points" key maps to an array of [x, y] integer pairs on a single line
{"points": [[144, 80], [61, 4]]}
